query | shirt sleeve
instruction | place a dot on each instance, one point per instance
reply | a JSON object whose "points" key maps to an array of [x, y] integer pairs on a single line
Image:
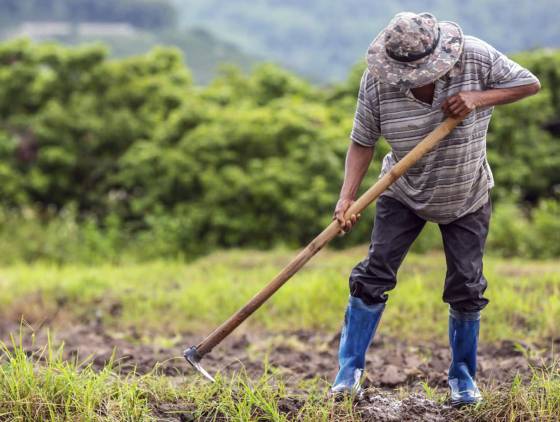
{"points": [[505, 73], [365, 130]]}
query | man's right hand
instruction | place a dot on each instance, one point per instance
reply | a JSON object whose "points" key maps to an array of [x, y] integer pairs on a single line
{"points": [[341, 207]]}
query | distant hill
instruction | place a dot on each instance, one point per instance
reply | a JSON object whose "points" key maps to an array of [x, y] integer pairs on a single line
{"points": [[323, 38], [128, 27], [204, 52], [319, 39], [148, 14]]}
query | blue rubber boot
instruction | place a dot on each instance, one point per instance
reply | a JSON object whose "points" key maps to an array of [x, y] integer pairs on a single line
{"points": [[463, 339], [360, 323]]}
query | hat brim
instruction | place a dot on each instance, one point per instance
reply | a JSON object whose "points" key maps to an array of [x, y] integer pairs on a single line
{"points": [[420, 72]]}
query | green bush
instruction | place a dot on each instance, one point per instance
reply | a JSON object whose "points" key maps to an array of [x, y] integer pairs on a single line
{"points": [[513, 233], [509, 229], [65, 237], [250, 160], [545, 234], [58, 237]]}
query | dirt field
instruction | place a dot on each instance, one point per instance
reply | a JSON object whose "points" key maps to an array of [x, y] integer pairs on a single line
{"points": [[397, 372]]}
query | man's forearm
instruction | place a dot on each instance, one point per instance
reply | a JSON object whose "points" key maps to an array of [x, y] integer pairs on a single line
{"points": [[498, 96], [358, 159], [462, 103]]}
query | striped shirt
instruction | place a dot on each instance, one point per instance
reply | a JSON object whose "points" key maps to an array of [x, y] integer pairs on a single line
{"points": [[454, 179]]}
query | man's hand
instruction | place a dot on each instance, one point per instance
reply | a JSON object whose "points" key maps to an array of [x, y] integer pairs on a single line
{"points": [[461, 104], [357, 162], [341, 207]]}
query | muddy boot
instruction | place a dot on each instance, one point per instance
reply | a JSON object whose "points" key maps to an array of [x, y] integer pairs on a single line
{"points": [[463, 339], [360, 323]]}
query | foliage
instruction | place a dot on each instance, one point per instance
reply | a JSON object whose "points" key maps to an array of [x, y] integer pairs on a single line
{"points": [[513, 234], [204, 53], [69, 115], [63, 237], [66, 237], [252, 161], [523, 154]]}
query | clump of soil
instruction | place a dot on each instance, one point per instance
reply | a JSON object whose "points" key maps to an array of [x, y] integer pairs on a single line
{"points": [[384, 407]]}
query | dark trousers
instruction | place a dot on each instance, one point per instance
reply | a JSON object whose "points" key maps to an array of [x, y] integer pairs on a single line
{"points": [[395, 228]]}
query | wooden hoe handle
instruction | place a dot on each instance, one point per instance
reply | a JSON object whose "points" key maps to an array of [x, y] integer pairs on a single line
{"points": [[332, 230]]}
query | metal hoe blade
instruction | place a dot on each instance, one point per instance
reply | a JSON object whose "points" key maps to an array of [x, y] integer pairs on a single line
{"points": [[193, 357]]}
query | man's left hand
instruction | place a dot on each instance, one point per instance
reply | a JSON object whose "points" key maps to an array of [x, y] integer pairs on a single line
{"points": [[461, 104]]}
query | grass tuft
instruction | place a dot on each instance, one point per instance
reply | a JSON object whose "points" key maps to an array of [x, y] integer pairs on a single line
{"points": [[535, 399], [41, 386]]}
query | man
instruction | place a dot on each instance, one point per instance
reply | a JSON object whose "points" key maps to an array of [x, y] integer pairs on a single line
{"points": [[419, 71]]}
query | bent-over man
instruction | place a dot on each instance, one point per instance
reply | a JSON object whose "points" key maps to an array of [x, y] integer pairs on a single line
{"points": [[419, 71]]}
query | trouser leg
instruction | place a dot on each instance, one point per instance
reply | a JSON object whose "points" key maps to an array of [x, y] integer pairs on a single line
{"points": [[395, 228], [463, 242]]}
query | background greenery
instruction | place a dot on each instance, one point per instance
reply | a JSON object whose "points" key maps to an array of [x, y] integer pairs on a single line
{"points": [[99, 156]]}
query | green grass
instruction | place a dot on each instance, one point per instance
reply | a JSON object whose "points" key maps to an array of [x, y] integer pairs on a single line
{"points": [[535, 400], [44, 387], [64, 390], [170, 298], [195, 297]]}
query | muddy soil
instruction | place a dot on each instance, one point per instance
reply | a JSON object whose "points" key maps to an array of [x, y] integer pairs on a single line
{"points": [[301, 355]]}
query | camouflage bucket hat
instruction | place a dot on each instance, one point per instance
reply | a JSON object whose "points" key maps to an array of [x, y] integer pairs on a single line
{"points": [[414, 50]]}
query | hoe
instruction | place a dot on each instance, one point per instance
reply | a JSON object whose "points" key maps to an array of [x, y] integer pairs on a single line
{"points": [[194, 354]]}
